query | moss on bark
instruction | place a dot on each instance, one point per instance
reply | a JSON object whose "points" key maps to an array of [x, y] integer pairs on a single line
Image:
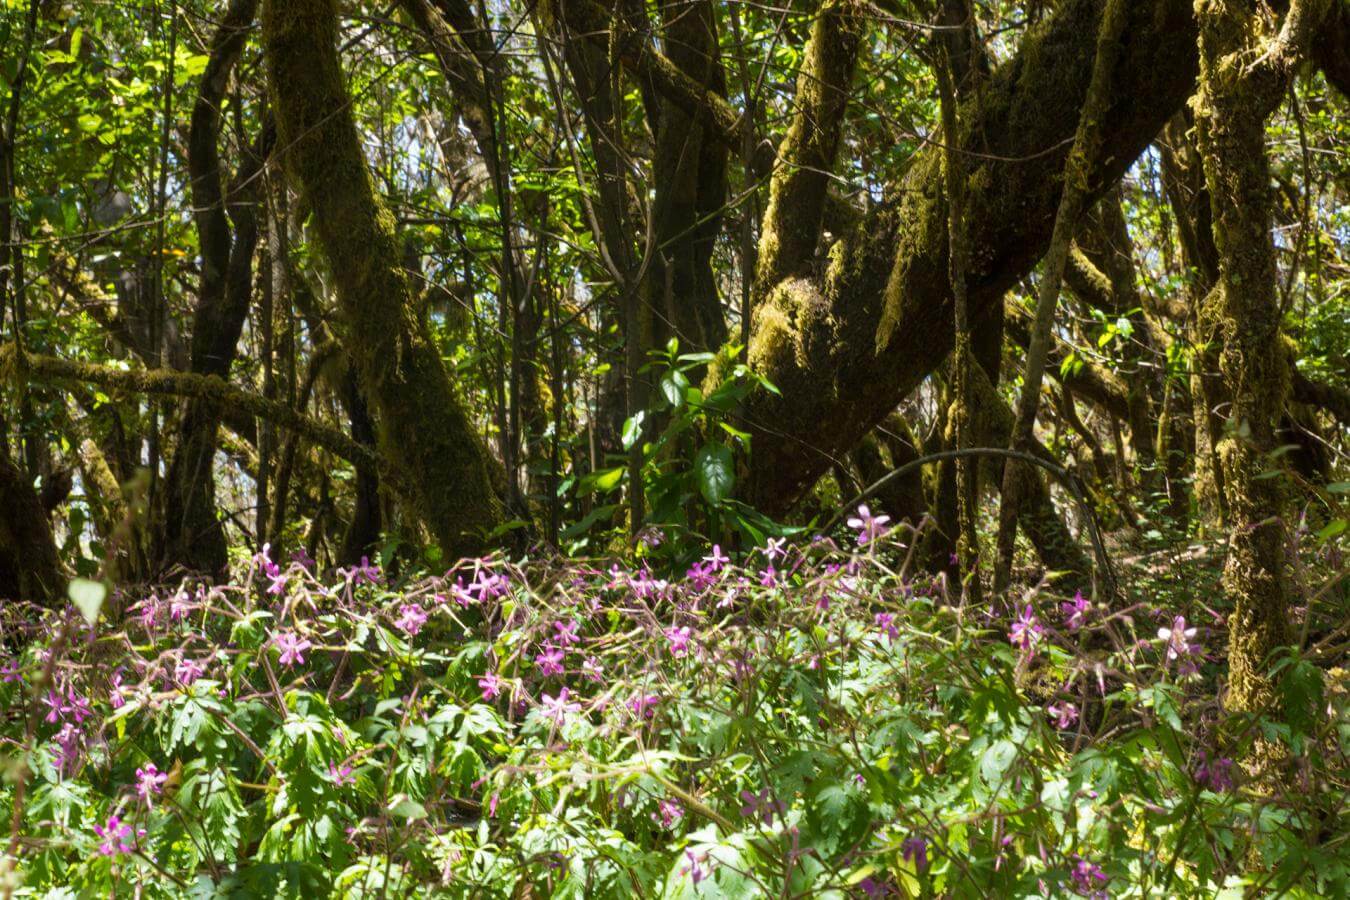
{"points": [[423, 426], [1244, 70], [880, 315]]}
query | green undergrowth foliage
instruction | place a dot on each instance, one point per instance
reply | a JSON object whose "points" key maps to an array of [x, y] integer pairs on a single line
{"points": [[809, 720]]}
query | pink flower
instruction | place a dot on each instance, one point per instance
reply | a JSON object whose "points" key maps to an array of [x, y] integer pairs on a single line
{"points": [[1217, 775], [410, 619], [592, 670], [550, 661], [149, 782], [292, 648], [716, 560], [490, 685], [341, 776], [668, 812], [1064, 713], [679, 640], [1178, 639], [567, 632], [1026, 631], [278, 585], [915, 849], [773, 549], [116, 836], [1087, 879], [696, 869], [643, 706], [886, 622], [1075, 611], [364, 572], [188, 671], [557, 708], [11, 672], [868, 526]]}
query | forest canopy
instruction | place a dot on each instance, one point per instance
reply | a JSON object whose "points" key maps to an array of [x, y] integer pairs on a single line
{"points": [[967, 380]]}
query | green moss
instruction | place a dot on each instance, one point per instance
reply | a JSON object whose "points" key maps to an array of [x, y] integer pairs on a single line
{"points": [[423, 427]]}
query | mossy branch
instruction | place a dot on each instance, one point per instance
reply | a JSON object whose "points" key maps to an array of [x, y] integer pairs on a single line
{"points": [[36, 367]]}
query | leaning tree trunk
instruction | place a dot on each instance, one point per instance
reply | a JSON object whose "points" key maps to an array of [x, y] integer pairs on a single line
{"points": [[1244, 71], [424, 429]]}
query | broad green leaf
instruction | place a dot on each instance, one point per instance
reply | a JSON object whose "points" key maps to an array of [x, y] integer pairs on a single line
{"points": [[716, 469]]}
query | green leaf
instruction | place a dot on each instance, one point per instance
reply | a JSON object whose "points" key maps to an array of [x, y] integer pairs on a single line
{"points": [[716, 469], [632, 430], [88, 597], [673, 386]]}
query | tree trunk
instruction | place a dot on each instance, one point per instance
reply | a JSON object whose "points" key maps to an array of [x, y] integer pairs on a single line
{"points": [[29, 567], [424, 428], [1244, 71]]}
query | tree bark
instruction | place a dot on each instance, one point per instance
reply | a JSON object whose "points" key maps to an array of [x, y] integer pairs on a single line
{"points": [[424, 428], [846, 346], [1244, 71]]}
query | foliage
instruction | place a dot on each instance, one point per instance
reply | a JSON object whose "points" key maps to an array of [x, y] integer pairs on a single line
{"points": [[813, 720]]}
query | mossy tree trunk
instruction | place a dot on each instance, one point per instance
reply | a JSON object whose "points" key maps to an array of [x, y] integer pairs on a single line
{"points": [[1245, 67], [424, 428], [851, 339]]}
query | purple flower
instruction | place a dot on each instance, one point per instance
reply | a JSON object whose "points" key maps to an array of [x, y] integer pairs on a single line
{"points": [[341, 776], [1064, 713], [149, 782], [56, 706], [567, 632], [1217, 774], [179, 606], [69, 745], [490, 684], [773, 549], [364, 572], [278, 585], [869, 527], [1075, 611], [700, 577], [769, 577], [410, 619], [550, 661], [1087, 879], [1026, 631], [696, 869], [116, 836], [886, 622], [292, 647], [1178, 639], [915, 849], [116, 692], [762, 804], [187, 671], [668, 812], [643, 706], [11, 672], [557, 708], [592, 670], [716, 560], [303, 558], [679, 640]]}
